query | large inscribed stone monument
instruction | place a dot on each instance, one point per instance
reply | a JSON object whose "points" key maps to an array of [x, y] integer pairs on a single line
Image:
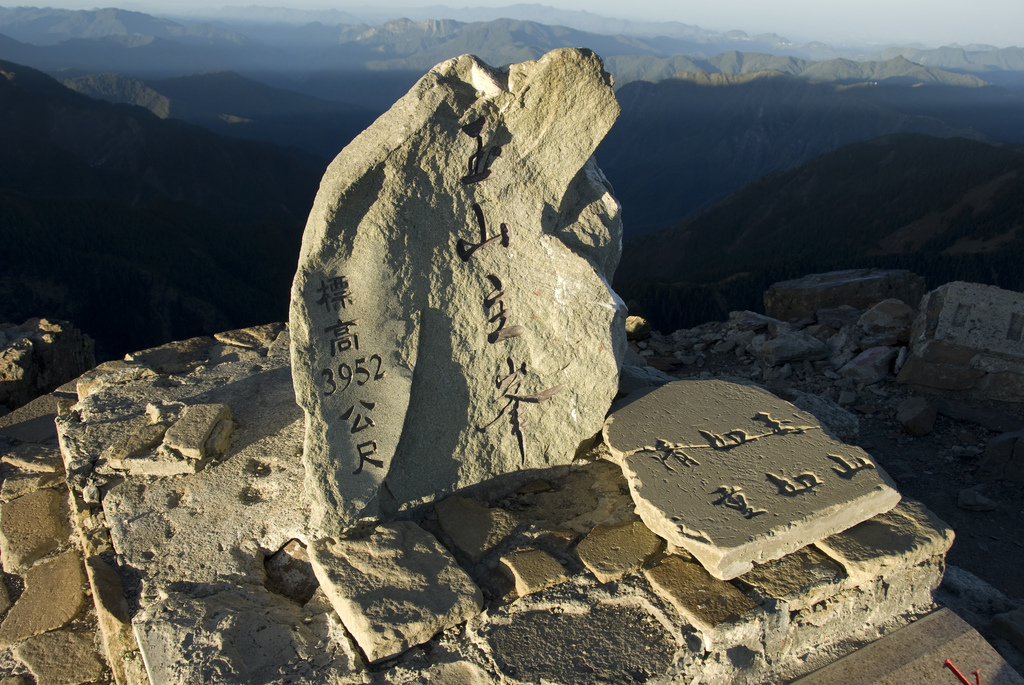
{"points": [[451, 315]]}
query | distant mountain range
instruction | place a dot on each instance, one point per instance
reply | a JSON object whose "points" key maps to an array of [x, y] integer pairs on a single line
{"points": [[140, 230], [254, 40], [232, 105], [948, 209]]}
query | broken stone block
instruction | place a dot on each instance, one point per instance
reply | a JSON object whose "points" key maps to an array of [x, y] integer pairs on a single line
{"points": [[5, 599], [870, 366], [445, 330], [53, 596], [290, 573], [916, 416], [968, 337], [193, 428], [532, 570], [908, 534], [475, 530], [610, 552], [858, 288], [802, 579], [394, 589], [31, 526], [916, 655], [702, 600], [679, 446], [1010, 626], [62, 656]]}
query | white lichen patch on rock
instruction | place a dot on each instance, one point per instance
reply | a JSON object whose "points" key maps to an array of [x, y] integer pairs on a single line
{"points": [[451, 316]]}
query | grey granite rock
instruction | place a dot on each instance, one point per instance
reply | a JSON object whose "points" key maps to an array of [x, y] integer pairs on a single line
{"points": [[451, 318]]}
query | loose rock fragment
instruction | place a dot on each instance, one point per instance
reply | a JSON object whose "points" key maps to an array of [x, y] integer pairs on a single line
{"points": [[290, 573], [193, 428], [394, 589]]}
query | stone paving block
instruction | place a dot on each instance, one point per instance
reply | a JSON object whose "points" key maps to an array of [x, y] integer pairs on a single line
{"points": [[53, 596], [475, 530], [737, 476], [33, 422], [61, 657], [19, 485], [1010, 626], [610, 552], [802, 579], [238, 635], [395, 589], [916, 654], [190, 432], [31, 526], [30, 458], [907, 535], [532, 570], [704, 601], [610, 643]]}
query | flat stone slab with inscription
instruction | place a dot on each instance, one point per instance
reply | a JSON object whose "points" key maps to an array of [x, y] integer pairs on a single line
{"points": [[451, 316], [737, 476]]}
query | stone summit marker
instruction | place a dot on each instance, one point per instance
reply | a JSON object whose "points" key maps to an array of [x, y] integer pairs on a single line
{"points": [[737, 476], [451, 316]]}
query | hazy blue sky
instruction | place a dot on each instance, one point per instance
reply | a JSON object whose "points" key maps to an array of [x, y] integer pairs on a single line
{"points": [[931, 22]]}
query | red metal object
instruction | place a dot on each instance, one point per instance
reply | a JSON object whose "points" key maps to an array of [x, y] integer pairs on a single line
{"points": [[960, 676]]}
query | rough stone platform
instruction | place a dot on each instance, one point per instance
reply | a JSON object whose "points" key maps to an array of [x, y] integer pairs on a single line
{"points": [[198, 556]]}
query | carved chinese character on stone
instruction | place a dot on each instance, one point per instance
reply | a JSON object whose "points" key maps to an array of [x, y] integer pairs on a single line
{"points": [[451, 317]]}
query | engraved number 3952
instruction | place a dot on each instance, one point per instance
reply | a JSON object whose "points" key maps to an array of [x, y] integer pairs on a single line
{"points": [[346, 374]]}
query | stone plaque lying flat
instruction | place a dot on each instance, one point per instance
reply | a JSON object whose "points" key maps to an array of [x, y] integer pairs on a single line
{"points": [[737, 476], [451, 317]]}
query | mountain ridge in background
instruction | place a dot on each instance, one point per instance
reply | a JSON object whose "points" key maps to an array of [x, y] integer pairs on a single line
{"points": [[946, 208]]}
